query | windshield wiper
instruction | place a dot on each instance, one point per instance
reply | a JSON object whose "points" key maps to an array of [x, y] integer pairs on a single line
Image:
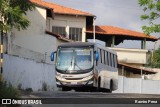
{"points": [[77, 66], [69, 66]]}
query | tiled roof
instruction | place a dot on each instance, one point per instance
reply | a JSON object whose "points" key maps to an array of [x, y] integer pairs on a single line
{"points": [[110, 30], [136, 69], [60, 9]]}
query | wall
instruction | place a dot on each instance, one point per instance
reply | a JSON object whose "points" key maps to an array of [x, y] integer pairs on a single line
{"points": [[27, 73], [126, 55], [34, 38], [68, 21], [138, 85]]}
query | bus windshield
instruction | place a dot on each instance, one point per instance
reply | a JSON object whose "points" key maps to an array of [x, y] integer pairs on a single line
{"points": [[74, 59]]}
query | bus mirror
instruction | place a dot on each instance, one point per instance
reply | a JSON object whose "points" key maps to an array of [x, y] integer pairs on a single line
{"points": [[52, 56], [97, 55]]}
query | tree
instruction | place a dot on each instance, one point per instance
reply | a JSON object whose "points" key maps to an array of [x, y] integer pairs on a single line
{"points": [[152, 14], [154, 60], [12, 14]]}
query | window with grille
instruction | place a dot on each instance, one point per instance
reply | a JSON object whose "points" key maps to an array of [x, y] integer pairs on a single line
{"points": [[59, 30], [75, 34]]}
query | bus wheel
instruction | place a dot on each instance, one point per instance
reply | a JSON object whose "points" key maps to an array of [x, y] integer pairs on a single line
{"points": [[111, 86], [99, 85]]}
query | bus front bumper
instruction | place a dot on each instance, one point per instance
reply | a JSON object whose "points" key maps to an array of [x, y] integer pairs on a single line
{"points": [[74, 84]]}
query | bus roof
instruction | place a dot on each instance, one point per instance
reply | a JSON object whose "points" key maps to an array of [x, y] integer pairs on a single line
{"points": [[84, 44], [76, 44]]}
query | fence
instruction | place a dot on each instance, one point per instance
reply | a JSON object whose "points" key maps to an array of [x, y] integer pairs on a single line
{"points": [[138, 85], [27, 53], [26, 73]]}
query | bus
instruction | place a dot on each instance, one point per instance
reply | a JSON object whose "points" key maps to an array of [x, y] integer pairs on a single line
{"points": [[80, 65]]}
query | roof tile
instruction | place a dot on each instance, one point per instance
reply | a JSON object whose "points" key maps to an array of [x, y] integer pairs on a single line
{"points": [[111, 30], [61, 9]]}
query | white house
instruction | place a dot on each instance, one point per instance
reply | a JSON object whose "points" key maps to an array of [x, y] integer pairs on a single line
{"points": [[50, 25]]}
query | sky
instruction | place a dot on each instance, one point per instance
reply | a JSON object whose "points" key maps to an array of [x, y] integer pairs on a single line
{"points": [[120, 13]]}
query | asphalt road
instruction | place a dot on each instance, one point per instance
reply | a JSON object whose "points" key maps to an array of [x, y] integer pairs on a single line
{"points": [[72, 94], [93, 99]]}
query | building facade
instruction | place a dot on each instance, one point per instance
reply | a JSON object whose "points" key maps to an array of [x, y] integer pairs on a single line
{"points": [[36, 43]]}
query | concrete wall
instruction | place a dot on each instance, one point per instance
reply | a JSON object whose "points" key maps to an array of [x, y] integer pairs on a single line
{"points": [[126, 55], [27, 73], [68, 21], [138, 85]]}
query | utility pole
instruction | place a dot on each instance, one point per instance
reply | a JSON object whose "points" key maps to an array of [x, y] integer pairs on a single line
{"points": [[94, 35], [1, 48], [1, 51]]}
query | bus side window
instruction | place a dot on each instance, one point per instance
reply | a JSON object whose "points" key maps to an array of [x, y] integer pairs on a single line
{"points": [[115, 58], [99, 55], [111, 56], [111, 59], [109, 62], [102, 56], [106, 57]]}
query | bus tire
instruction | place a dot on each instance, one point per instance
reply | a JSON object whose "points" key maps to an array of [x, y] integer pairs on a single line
{"points": [[99, 85], [111, 86]]}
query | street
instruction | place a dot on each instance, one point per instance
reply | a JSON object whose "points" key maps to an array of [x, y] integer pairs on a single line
{"points": [[72, 94], [92, 99]]}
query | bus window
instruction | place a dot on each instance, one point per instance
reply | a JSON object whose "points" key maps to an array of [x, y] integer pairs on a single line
{"points": [[102, 56], [109, 62], [99, 55], [115, 58], [111, 59], [106, 57]]}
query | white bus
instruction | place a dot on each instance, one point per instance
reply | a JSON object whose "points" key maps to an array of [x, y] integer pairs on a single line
{"points": [[85, 66]]}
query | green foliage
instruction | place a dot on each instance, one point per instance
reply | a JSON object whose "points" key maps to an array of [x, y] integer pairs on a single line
{"points": [[7, 91], [12, 14], [152, 14], [155, 59]]}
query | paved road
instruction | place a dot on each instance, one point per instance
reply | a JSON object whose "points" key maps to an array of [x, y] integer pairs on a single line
{"points": [[91, 96], [72, 94]]}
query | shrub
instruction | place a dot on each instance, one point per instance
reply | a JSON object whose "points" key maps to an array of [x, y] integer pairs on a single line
{"points": [[7, 91]]}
